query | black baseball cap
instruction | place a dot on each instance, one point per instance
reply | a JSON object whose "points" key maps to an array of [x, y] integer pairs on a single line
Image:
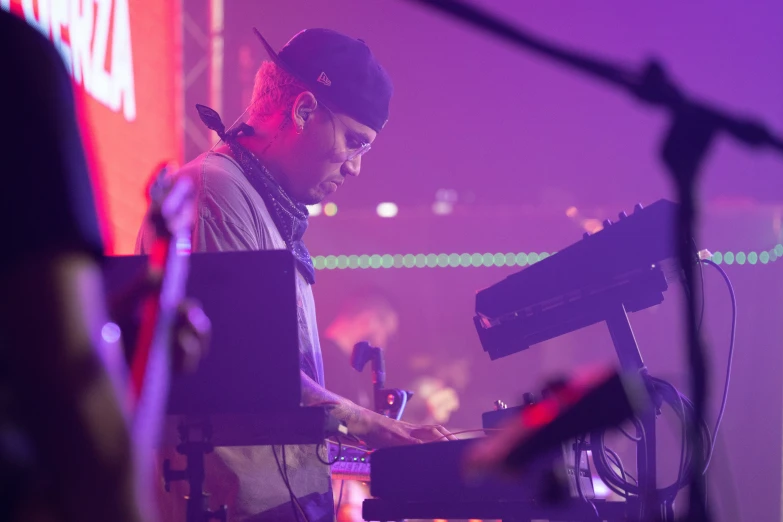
{"points": [[341, 71]]}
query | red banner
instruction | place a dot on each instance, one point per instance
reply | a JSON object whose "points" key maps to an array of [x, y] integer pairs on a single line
{"points": [[125, 60]]}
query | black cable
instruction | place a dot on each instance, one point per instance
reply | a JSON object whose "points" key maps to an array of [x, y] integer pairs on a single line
{"points": [[683, 407], [729, 362], [689, 461], [628, 435], [294, 499], [339, 452], [615, 459], [339, 500], [578, 475], [284, 475], [683, 439], [617, 490], [703, 298], [607, 474]]}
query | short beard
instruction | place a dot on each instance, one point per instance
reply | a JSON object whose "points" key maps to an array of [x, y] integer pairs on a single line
{"points": [[310, 198]]}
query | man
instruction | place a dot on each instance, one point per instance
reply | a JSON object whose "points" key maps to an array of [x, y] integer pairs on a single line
{"points": [[316, 109], [65, 448]]}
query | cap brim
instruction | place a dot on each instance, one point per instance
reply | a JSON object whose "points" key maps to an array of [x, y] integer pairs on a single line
{"points": [[269, 50]]}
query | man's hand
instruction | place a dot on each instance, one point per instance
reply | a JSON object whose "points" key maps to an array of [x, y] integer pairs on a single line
{"points": [[378, 431], [375, 430]]}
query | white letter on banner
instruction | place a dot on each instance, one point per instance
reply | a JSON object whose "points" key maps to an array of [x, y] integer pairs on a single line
{"points": [[123, 91], [42, 22], [100, 87], [60, 19], [82, 13]]}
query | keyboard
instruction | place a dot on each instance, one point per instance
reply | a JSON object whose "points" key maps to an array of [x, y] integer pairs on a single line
{"points": [[434, 471], [629, 262]]}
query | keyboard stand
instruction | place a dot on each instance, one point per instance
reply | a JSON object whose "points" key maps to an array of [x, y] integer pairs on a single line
{"points": [[198, 436]]}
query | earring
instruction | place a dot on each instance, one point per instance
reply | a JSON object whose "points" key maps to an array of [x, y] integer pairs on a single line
{"points": [[299, 129]]}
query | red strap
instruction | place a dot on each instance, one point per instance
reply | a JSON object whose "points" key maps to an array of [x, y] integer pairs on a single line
{"points": [[150, 311]]}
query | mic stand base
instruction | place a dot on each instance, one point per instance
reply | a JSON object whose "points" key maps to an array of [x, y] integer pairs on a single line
{"points": [[194, 451]]}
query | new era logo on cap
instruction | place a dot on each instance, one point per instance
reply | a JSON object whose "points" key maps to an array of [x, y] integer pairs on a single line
{"points": [[356, 84], [322, 78]]}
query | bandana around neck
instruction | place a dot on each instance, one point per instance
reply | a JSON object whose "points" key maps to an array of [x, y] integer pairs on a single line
{"points": [[289, 216]]}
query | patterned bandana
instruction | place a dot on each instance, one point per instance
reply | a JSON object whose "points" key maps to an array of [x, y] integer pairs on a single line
{"points": [[289, 216]]}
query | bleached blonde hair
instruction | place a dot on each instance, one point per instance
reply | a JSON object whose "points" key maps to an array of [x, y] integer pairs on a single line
{"points": [[274, 92]]}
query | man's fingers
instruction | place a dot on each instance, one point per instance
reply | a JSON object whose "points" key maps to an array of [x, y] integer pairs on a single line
{"points": [[440, 433], [401, 439], [431, 434], [445, 434]]}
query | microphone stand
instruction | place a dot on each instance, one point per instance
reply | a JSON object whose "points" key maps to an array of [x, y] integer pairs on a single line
{"points": [[390, 402], [694, 125]]}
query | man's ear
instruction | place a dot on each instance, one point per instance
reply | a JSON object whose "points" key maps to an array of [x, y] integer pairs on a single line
{"points": [[304, 106]]}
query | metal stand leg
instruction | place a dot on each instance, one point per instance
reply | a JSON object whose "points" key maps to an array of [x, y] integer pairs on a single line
{"points": [[631, 361]]}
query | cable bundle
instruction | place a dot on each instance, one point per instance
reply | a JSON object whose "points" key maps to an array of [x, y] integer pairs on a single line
{"points": [[606, 460]]}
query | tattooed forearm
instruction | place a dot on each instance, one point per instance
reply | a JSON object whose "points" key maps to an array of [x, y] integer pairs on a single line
{"points": [[313, 394]]}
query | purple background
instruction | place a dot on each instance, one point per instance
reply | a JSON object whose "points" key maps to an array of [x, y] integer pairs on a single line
{"points": [[520, 140]]}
